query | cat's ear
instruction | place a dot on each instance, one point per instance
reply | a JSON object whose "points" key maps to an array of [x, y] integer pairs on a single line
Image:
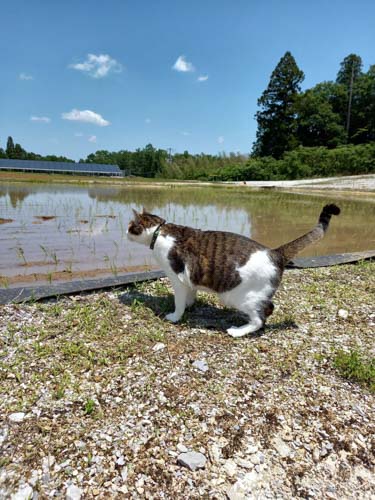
{"points": [[136, 214], [144, 211]]}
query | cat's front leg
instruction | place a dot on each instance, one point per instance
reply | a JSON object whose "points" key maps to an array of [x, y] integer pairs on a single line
{"points": [[181, 293]]}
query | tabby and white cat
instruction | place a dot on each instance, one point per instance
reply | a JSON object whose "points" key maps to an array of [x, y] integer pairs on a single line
{"points": [[243, 272]]}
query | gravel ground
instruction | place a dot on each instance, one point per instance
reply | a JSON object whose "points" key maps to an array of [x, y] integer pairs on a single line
{"points": [[101, 398]]}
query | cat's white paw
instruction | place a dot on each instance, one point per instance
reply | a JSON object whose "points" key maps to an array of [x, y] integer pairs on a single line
{"points": [[172, 317], [236, 332]]}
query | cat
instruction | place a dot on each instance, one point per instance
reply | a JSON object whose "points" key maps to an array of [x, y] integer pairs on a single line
{"points": [[245, 273]]}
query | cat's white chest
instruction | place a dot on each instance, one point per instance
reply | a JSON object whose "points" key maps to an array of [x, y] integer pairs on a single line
{"points": [[161, 251]]}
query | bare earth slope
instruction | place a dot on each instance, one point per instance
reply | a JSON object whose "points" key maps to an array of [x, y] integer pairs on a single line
{"points": [[349, 182]]}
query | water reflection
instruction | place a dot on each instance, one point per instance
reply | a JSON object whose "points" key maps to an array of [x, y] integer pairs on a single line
{"points": [[70, 229]]}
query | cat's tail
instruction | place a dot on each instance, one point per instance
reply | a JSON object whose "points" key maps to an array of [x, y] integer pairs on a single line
{"points": [[289, 250]]}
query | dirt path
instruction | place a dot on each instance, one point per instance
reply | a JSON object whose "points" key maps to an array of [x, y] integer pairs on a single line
{"points": [[351, 182]]}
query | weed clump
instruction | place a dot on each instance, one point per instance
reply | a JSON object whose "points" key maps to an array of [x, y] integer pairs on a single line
{"points": [[354, 367]]}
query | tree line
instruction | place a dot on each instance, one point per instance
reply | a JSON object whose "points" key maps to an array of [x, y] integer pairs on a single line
{"points": [[330, 114], [16, 152], [328, 129], [152, 162]]}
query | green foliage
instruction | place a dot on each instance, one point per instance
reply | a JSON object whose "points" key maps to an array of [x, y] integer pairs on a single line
{"points": [[201, 166], [276, 119], [317, 122], [330, 114], [89, 407], [354, 367], [350, 69], [146, 162], [304, 162], [362, 121], [10, 147]]}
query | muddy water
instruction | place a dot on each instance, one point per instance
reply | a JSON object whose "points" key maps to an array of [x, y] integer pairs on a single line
{"points": [[54, 232]]}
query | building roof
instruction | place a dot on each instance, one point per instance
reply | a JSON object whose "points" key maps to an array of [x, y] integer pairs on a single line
{"points": [[59, 166]]}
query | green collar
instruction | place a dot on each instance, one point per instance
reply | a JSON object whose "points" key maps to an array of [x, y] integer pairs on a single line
{"points": [[155, 235]]}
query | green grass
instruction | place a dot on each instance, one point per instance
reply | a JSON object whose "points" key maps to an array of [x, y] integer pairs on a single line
{"points": [[353, 366], [89, 407]]}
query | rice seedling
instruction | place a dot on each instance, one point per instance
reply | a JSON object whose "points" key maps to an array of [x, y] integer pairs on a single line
{"points": [[54, 258], [21, 255], [44, 250]]}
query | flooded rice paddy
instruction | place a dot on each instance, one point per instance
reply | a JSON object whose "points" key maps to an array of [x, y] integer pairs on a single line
{"points": [[62, 232]]}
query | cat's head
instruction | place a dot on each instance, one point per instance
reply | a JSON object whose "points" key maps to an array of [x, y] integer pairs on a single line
{"points": [[142, 226]]}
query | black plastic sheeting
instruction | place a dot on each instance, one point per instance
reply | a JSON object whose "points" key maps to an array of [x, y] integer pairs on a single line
{"points": [[330, 260], [25, 294]]}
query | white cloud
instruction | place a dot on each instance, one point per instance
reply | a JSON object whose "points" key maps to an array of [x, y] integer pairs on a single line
{"points": [[148, 120], [98, 66], [78, 134], [202, 78], [185, 133], [85, 116], [220, 139], [41, 119], [92, 138], [24, 76], [183, 65]]}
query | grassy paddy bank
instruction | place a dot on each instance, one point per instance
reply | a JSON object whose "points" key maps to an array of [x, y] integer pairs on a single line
{"points": [[80, 179], [107, 394]]}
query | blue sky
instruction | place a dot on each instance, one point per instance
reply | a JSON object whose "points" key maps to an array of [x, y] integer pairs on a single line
{"points": [[83, 75]]}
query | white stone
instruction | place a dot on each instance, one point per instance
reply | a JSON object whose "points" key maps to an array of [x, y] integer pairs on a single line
{"points": [[343, 313], [24, 493], [316, 455], [159, 346], [192, 460], [3, 435], [17, 417], [237, 491], [201, 365], [182, 448], [33, 479], [281, 447], [246, 464], [230, 467], [73, 492], [215, 453], [120, 460], [255, 459], [124, 474], [325, 390], [250, 479], [241, 489]]}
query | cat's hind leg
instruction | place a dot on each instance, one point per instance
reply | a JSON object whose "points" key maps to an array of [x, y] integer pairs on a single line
{"points": [[258, 311], [190, 299], [254, 325]]}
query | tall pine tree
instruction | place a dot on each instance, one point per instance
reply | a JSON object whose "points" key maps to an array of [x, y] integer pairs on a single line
{"points": [[276, 120], [350, 71], [10, 147]]}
